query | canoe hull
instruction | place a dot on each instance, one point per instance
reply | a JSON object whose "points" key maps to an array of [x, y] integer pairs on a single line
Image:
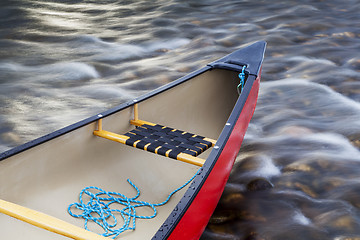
{"points": [[48, 173]]}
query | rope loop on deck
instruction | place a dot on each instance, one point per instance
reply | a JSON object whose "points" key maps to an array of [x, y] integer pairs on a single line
{"points": [[102, 207], [242, 80]]}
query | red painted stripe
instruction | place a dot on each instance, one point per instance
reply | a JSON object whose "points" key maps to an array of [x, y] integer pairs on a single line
{"points": [[195, 219]]}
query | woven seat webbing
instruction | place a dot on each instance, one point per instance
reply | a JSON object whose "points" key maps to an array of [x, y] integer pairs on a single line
{"points": [[166, 141]]}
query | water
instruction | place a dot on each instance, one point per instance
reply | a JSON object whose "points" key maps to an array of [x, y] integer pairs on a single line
{"points": [[297, 176]]}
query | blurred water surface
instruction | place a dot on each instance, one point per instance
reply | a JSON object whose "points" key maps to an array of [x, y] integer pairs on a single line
{"points": [[298, 173]]}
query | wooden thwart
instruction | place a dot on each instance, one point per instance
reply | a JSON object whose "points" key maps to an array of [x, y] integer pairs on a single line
{"points": [[201, 143], [47, 222]]}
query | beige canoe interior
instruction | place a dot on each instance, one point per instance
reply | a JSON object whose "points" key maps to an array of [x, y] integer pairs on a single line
{"points": [[50, 176]]}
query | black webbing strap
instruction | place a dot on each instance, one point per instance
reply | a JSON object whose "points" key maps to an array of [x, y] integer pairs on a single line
{"points": [[160, 139]]}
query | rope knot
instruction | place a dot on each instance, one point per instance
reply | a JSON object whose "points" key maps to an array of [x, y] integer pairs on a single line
{"points": [[242, 80]]}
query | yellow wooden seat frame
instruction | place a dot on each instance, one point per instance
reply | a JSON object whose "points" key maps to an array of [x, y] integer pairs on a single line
{"points": [[137, 122]]}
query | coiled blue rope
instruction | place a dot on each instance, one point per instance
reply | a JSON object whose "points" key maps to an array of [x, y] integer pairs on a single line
{"points": [[98, 210], [242, 80]]}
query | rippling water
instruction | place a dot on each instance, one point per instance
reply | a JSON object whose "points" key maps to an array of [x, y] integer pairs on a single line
{"points": [[298, 174]]}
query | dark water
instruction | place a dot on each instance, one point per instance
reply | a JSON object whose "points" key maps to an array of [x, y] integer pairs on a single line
{"points": [[298, 174]]}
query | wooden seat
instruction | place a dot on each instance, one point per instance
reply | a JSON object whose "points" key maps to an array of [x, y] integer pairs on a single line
{"points": [[162, 140]]}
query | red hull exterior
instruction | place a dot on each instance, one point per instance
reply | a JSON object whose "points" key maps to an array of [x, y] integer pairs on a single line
{"points": [[194, 221]]}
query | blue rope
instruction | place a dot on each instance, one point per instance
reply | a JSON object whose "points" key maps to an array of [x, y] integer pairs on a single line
{"points": [[242, 80], [98, 210]]}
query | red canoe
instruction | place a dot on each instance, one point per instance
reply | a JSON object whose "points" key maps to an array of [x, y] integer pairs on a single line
{"points": [[176, 144]]}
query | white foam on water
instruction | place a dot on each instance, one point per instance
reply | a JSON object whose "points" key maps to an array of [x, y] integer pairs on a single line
{"points": [[312, 146], [325, 109], [60, 70], [11, 67], [335, 142], [266, 168], [114, 51], [302, 8], [170, 44], [253, 131], [324, 92], [71, 70], [330, 108], [300, 218], [311, 60], [103, 91]]}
